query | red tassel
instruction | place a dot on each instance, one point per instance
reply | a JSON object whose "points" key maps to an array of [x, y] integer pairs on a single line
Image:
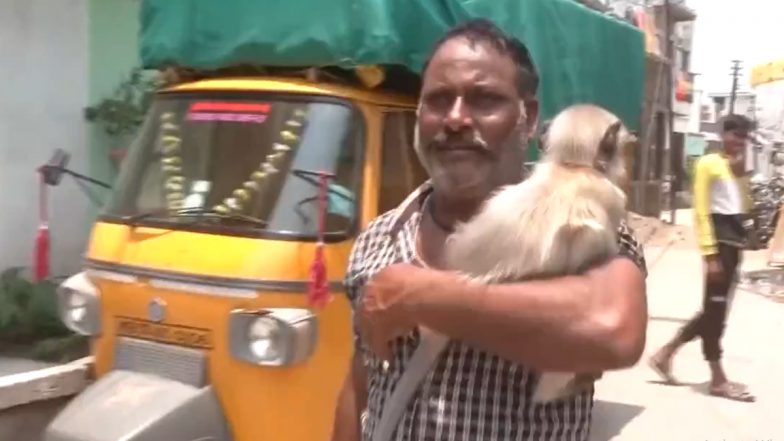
{"points": [[318, 290], [41, 262]]}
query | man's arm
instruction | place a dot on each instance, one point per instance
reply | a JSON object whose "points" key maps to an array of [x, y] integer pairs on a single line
{"points": [[592, 322], [352, 401], [704, 225]]}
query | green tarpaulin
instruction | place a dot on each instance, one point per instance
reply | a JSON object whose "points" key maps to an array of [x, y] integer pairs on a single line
{"points": [[582, 55]]}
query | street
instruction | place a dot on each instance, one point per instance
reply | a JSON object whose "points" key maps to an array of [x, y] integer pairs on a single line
{"points": [[632, 405]]}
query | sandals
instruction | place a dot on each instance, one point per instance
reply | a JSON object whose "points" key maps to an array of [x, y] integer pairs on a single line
{"points": [[662, 369], [733, 391]]}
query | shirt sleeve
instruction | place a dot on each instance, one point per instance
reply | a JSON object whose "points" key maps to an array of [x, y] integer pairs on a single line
{"points": [[353, 283], [629, 247], [702, 187]]}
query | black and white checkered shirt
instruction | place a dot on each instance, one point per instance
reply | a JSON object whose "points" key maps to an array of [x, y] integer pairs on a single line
{"points": [[470, 395]]}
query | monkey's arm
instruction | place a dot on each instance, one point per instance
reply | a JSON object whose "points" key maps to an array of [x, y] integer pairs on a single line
{"points": [[588, 323]]}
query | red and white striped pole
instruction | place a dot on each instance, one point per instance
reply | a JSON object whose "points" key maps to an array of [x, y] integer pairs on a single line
{"points": [[42, 239]]}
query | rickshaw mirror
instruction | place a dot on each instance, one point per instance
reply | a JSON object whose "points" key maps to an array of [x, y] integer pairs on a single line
{"points": [[55, 168]]}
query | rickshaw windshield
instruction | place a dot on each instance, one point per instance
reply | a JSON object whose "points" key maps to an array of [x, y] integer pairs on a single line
{"points": [[233, 163]]}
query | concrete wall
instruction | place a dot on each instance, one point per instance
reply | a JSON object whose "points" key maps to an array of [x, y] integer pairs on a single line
{"points": [[43, 60], [113, 29]]}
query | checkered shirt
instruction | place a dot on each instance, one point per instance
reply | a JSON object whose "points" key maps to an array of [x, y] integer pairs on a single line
{"points": [[470, 394]]}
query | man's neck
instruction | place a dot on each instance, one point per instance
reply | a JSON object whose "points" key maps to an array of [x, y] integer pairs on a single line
{"points": [[448, 212]]}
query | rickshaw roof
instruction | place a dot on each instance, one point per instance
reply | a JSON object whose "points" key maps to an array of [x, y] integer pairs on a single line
{"points": [[296, 86], [582, 55]]}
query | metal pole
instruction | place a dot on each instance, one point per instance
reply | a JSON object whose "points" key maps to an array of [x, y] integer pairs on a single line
{"points": [[670, 114], [733, 93]]}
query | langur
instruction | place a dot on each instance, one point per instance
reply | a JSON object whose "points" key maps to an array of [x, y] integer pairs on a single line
{"points": [[562, 220]]}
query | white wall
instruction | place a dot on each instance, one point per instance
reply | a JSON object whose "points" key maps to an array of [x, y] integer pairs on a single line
{"points": [[43, 68]]}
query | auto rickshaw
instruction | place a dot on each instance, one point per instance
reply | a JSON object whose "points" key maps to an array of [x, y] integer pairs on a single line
{"points": [[196, 273]]}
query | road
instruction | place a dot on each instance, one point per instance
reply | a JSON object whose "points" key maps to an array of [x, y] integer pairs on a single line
{"points": [[631, 405]]}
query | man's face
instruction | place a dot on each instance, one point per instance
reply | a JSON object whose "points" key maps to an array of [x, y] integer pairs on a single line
{"points": [[472, 124], [735, 141]]}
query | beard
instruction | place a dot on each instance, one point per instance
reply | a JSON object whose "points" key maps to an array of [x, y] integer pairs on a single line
{"points": [[476, 175]]}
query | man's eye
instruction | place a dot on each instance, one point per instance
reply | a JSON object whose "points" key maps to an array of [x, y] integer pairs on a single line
{"points": [[439, 101], [486, 101]]}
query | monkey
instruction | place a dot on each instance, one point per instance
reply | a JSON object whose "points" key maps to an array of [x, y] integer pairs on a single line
{"points": [[562, 220]]}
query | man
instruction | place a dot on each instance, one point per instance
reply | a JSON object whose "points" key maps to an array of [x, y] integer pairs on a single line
{"points": [[477, 110], [718, 207]]}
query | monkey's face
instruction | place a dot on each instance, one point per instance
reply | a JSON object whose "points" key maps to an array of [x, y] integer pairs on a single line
{"points": [[472, 129], [611, 151]]}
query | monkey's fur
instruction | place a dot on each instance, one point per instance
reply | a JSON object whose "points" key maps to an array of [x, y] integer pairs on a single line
{"points": [[562, 220]]}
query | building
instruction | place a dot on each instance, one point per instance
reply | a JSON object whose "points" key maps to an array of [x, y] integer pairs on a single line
{"points": [[59, 57], [717, 105], [660, 160], [767, 81]]}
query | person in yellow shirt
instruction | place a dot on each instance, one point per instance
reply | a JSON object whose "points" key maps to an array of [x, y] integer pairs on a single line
{"points": [[719, 206]]}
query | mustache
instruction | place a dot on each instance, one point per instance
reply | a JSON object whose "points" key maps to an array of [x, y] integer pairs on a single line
{"points": [[444, 140]]}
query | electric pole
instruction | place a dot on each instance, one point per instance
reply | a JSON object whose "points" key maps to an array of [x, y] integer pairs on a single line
{"points": [[671, 160], [735, 74]]}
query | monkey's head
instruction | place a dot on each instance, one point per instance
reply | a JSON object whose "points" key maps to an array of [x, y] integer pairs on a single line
{"points": [[590, 136]]}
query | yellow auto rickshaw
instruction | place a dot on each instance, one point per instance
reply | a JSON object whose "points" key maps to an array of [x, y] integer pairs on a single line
{"points": [[194, 286]]}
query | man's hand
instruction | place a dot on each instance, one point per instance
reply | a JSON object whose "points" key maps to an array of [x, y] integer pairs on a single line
{"points": [[738, 165], [714, 268], [383, 314]]}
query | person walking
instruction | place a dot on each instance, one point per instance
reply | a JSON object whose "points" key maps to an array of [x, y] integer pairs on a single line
{"points": [[718, 209]]}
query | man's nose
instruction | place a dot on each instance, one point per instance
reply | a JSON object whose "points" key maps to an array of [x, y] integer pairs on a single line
{"points": [[458, 116]]}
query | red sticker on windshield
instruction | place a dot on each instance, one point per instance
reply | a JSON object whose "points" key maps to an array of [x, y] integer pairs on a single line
{"points": [[230, 117]]}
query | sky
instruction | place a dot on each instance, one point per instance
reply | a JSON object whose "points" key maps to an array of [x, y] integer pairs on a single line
{"points": [[747, 30]]}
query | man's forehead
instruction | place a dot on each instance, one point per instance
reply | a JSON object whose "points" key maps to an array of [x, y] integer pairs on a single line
{"points": [[463, 48], [461, 54], [740, 133]]}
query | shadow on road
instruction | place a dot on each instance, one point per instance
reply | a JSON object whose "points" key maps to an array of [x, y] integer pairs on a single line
{"points": [[609, 419]]}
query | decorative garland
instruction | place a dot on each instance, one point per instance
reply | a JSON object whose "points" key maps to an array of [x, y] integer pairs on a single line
{"points": [[170, 143], [258, 178]]}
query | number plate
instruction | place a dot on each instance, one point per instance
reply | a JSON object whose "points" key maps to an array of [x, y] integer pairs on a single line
{"points": [[171, 334]]}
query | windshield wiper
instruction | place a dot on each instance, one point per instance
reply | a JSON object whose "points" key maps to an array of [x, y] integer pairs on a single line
{"points": [[200, 213]]}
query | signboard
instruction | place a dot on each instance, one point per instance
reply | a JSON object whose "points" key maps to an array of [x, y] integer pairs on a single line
{"points": [[647, 24]]}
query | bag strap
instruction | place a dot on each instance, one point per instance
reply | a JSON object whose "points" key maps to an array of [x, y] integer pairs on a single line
{"points": [[431, 345]]}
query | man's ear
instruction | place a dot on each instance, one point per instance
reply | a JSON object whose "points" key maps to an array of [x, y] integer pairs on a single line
{"points": [[531, 106]]}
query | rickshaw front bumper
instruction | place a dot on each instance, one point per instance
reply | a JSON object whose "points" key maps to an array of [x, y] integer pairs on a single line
{"points": [[133, 406]]}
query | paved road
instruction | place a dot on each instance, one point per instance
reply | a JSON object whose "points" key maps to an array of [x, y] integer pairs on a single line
{"points": [[631, 405]]}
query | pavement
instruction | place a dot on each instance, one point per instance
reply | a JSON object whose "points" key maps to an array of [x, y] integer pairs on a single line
{"points": [[633, 405], [15, 365]]}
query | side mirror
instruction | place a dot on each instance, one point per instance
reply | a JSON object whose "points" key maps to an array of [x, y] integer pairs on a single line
{"points": [[55, 168]]}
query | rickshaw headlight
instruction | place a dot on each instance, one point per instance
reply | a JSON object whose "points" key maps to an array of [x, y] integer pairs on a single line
{"points": [[79, 306], [264, 338], [273, 337]]}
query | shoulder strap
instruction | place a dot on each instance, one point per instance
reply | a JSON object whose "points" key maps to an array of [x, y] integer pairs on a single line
{"points": [[431, 345]]}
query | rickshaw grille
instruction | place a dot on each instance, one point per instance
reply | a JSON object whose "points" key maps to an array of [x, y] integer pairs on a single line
{"points": [[176, 363]]}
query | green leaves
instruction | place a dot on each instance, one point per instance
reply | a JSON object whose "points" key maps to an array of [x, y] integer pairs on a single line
{"points": [[28, 310], [123, 112]]}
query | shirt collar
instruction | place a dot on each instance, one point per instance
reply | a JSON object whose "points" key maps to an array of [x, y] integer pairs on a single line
{"points": [[411, 205]]}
